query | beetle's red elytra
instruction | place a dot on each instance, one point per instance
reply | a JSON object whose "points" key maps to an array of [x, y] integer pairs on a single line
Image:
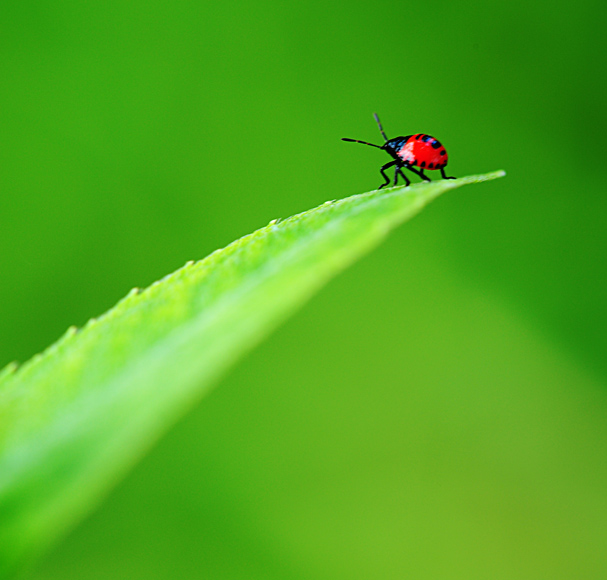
{"points": [[421, 150]]}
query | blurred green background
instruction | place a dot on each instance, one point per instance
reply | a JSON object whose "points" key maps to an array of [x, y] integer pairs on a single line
{"points": [[440, 410]]}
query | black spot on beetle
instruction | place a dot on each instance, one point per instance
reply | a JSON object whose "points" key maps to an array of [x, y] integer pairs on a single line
{"points": [[418, 136], [435, 144], [426, 138], [431, 166], [443, 152], [423, 164]]}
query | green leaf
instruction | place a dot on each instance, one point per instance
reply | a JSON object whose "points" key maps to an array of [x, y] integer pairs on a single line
{"points": [[74, 418]]}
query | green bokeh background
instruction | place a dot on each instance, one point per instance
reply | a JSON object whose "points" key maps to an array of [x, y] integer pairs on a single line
{"points": [[438, 411]]}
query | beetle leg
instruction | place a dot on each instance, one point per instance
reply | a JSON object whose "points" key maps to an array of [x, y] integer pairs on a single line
{"points": [[407, 180], [420, 173], [382, 171], [442, 172]]}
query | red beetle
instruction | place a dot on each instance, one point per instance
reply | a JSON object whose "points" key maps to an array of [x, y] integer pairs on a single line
{"points": [[422, 150]]}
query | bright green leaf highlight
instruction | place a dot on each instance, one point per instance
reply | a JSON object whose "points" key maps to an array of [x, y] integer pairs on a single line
{"points": [[74, 418]]}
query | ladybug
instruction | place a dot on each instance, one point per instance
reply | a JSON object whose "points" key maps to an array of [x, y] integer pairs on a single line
{"points": [[422, 150]]}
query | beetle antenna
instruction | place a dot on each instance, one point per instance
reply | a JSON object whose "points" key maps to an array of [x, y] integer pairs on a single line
{"points": [[363, 142], [380, 127]]}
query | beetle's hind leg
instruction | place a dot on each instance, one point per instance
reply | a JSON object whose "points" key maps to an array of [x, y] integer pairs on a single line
{"points": [[419, 172], [442, 172]]}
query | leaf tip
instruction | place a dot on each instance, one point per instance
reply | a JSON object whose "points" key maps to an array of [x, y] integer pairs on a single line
{"points": [[495, 174]]}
